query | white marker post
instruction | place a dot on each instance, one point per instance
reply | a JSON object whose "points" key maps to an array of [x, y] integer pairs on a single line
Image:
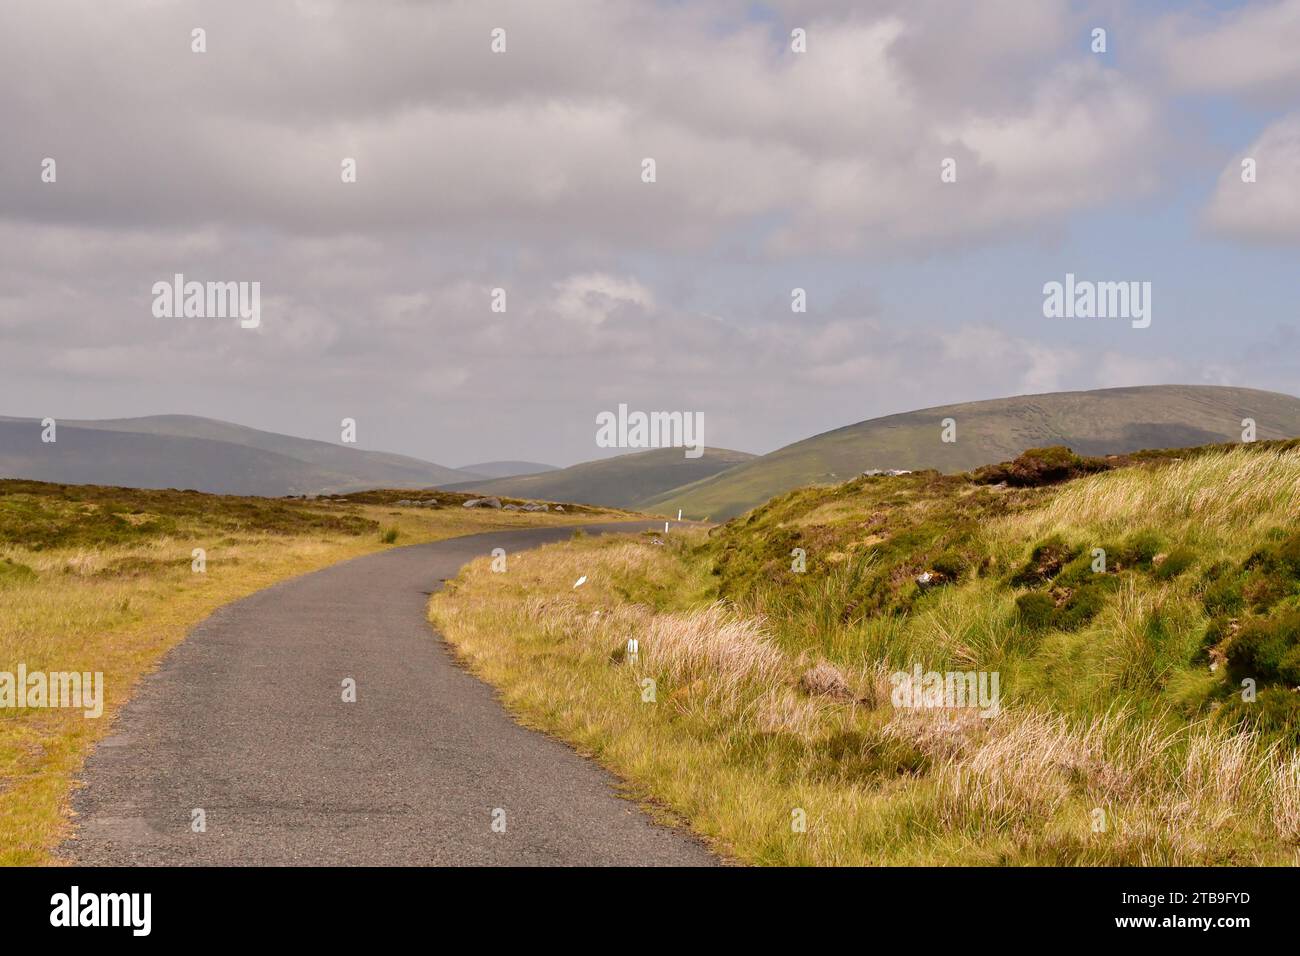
{"points": [[679, 514], [665, 527]]}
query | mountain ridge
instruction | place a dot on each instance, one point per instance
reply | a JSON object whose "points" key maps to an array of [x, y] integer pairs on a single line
{"points": [[622, 481], [507, 468], [1092, 422], [203, 454]]}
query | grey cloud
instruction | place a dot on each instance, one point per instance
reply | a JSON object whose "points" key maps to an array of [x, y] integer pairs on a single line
{"points": [[522, 171], [545, 141]]}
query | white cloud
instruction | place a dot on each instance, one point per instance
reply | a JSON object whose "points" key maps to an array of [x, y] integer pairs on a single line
{"points": [[839, 146], [1268, 209], [592, 297], [522, 171], [1250, 50]]}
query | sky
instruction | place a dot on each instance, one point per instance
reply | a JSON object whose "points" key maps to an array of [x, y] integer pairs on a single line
{"points": [[522, 170]]}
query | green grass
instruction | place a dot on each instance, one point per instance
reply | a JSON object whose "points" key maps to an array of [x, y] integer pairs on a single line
{"points": [[1120, 682]]}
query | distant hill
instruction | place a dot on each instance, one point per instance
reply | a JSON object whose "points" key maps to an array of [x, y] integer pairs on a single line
{"points": [[506, 469], [185, 451], [1104, 421], [620, 482]]}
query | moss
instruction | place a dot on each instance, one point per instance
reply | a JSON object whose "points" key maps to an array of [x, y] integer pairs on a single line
{"points": [[1280, 556], [1068, 611], [1269, 577], [1218, 630], [1046, 560], [952, 564], [1082, 606], [1035, 611], [1261, 589], [1274, 715], [1138, 549], [1175, 563], [1079, 572], [1267, 649], [1222, 583]]}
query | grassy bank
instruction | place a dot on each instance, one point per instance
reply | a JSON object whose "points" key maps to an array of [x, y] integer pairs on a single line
{"points": [[1123, 736], [102, 579]]}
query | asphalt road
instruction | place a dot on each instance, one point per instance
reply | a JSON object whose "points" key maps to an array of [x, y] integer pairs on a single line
{"points": [[245, 721]]}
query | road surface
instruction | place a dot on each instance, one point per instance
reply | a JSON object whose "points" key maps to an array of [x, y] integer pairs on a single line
{"points": [[245, 721]]}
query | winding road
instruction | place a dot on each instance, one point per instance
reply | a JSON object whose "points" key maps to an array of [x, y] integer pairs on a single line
{"points": [[244, 720]]}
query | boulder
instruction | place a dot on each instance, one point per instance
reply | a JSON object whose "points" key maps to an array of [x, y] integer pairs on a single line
{"points": [[483, 503]]}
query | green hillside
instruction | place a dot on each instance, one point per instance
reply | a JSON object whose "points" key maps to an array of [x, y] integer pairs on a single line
{"points": [[620, 482], [1100, 422], [1054, 661]]}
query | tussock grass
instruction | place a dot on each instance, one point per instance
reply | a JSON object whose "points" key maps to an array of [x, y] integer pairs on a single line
{"points": [[1226, 491], [1111, 747]]}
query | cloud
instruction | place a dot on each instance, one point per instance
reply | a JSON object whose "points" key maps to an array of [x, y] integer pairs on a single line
{"points": [[429, 367], [1246, 51], [593, 297], [838, 148], [1268, 209], [1245, 55], [522, 171]]}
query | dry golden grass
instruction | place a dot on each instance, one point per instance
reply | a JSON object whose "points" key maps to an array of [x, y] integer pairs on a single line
{"points": [[730, 743], [119, 609], [1227, 492]]}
